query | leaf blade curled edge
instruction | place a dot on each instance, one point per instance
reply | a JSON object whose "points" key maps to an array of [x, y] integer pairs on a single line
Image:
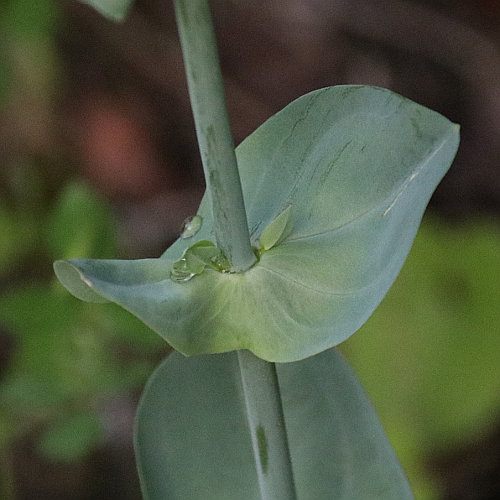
{"points": [[357, 165]]}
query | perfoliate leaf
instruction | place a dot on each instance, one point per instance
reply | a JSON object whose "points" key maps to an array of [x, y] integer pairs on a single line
{"points": [[193, 443], [357, 165], [113, 9]]}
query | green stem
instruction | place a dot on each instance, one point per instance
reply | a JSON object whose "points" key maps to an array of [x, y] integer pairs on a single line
{"points": [[260, 382], [267, 427], [215, 140]]}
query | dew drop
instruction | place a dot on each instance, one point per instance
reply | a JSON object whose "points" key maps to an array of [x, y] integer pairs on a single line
{"points": [[181, 272], [181, 278], [191, 226]]}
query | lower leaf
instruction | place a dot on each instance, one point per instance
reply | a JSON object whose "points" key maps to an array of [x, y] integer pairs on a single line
{"points": [[192, 438]]}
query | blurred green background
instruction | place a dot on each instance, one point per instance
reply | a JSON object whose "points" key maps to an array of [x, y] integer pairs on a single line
{"points": [[98, 159]]}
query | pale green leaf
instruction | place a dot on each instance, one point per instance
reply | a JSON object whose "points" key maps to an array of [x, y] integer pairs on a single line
{"points": [[80, 286], [357, 165], [192, 439], [272, 234], [113, 9]]}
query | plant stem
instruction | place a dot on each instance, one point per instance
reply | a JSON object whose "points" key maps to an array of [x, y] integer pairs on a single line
{"points": [[215, 140], [260, 382], [267, 427]]}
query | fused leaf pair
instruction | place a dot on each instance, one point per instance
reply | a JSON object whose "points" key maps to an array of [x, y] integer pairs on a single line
{"points": [[203, 254], [340, 178]]}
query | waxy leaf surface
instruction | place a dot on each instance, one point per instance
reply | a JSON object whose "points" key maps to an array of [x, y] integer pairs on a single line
{"points": [[193, 441], [113, 9], [357, 165]]}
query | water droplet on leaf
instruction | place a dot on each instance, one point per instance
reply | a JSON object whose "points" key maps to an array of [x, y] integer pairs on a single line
{"points": [[181, 271], [191, 226], [196, 259]]}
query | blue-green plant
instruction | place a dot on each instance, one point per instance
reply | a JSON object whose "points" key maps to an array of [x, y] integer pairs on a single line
{"points": [[300, 234]]}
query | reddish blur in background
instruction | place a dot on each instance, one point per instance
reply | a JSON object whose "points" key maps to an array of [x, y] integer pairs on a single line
{"points": [[84, 98]]}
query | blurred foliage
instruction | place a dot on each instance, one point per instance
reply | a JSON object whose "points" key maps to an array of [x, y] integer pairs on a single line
{"points": [[81, 225], [429, 356], [69, 356], [29, 67], [29, 19]]}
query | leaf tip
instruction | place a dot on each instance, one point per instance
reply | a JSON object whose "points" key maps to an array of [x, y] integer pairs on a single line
{"points": [[75, 281], [274, 232], [115, 10]]}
